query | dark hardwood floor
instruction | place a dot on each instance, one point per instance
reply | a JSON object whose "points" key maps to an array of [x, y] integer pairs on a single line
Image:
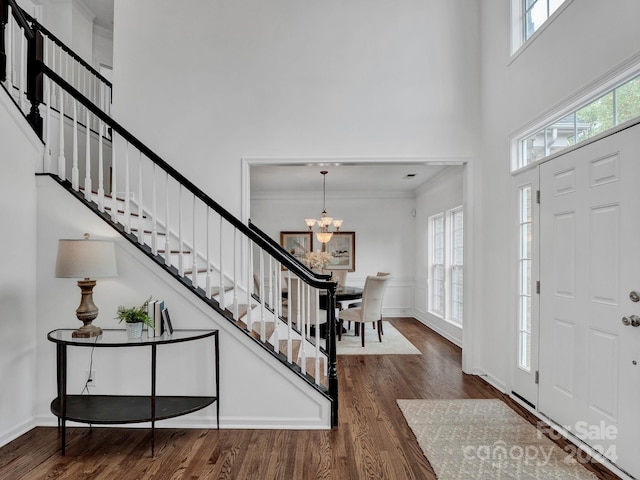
{"points": [[372, 440]]}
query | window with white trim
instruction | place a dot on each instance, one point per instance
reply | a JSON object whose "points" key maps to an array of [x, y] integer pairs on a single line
{"points": [[446, 265], [535, 13], [457, 265], [525, 288], [437, 264], [594, 115]]}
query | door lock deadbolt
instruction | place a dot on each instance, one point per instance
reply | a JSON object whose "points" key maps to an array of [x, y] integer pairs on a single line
{"points": [[633, 320]]}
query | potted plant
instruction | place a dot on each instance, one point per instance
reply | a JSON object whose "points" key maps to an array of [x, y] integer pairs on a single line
{"points": [[135, 318]]}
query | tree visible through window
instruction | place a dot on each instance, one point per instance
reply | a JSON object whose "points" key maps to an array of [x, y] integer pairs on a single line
{"points": [[607, 111]]}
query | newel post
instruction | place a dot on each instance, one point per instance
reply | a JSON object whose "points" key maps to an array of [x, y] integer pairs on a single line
{"points": [[4, 13], [35, 60], [331, 340]]}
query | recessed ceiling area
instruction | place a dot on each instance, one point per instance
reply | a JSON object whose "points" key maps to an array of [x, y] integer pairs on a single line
{"points": [[390, 177], [103, 10]]}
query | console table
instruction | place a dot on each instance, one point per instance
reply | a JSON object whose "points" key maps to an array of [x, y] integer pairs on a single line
{"points": [[119, 409]]}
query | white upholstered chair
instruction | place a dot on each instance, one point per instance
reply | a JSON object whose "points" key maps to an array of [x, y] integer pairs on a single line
{"points": [[370, 311]]}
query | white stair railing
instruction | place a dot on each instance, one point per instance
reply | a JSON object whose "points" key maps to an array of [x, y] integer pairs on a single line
{"points": [[152, 204], [89, 145]]}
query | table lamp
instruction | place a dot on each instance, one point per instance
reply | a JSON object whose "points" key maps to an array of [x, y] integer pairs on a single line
{"points": [[86, 259]]}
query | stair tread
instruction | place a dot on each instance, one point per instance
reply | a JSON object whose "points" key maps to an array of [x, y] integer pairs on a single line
{"points": [[148, 232], [121, 212], [200, 270], [106, 195]]}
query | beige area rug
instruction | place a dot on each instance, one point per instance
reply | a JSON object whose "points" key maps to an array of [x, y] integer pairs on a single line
{"points": [[393, 342], [487, 440]]}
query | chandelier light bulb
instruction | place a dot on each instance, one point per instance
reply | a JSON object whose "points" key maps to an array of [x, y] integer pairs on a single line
{"points": [[324, 223]]}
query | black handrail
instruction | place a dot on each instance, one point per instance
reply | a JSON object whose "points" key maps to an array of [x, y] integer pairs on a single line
{"points": [[267, 238], [38, 26], [36, 70], [315, 280], [19, 15]]}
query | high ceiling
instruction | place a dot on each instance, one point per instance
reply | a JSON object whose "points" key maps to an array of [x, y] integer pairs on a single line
{"points": [[396, 177], [345, 178], [103, 10]]}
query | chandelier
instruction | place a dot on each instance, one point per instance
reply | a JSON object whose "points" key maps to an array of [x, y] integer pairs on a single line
{"points": [[323, 234]]}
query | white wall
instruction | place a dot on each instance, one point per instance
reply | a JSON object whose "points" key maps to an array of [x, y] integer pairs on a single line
{"points": [[21, 150], [587, 40], [384, 228], [287, 78], [438, 195], [256, 390], [72, 23]]}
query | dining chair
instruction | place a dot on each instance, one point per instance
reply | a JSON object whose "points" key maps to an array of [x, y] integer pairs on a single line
{"points": [[339, 276], [358, 303], [371, 308]]}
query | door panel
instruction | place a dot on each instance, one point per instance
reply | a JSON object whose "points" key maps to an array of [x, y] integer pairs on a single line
{"points": [[589, 262]]}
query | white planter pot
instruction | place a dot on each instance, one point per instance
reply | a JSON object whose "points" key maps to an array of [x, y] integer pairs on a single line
{"points": [[134, 330]]}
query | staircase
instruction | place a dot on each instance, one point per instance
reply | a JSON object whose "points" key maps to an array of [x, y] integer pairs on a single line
{"points": [[233, 267]]}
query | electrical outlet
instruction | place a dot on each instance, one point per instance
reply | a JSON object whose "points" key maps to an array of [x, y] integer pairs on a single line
{"points": [[90, 378]]}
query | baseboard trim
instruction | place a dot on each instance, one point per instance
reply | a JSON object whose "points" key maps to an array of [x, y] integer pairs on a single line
{"points": [[491, 379], [436, 328], [17, 431]]}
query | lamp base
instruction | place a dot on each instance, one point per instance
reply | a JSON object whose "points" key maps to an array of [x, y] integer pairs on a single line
{"points": [[87, 331], [87, 311]]}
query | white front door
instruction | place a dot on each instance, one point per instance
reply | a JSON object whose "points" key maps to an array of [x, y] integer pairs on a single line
{"points": [[590, 264]]}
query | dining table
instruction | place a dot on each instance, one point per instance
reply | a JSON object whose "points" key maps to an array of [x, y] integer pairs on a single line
{"points": [[344, 295]]}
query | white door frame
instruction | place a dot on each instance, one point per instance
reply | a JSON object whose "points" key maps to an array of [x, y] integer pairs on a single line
{"points": [[469, 178]]}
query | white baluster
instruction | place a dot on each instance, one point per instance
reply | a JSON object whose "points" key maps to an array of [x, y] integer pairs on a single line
{"points": [[289, 319], [236, 312], [140, 203], [249, 281], [100, 169], [61, 159], [52, 61], [276, 308], [262, 296], [194, 262], [316, 302], [221, 275], [208, 246], [167, 243], [10, 52], [75, 172], [154, 213], [304, 326], [23, 71], [87, 176], [180, 239], [114, 176], [269, 295], [47, 136], [127, 190]]}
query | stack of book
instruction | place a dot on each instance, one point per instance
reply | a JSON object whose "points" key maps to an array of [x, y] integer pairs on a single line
{"points": [[161, 319]]}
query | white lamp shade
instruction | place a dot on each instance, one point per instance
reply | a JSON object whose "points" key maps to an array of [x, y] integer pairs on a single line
{"points": [[86, 259]]}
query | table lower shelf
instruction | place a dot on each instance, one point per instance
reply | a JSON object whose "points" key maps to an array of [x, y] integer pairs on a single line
{"points": [[114, 409]]}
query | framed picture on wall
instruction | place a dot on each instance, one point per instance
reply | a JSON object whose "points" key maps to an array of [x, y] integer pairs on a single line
{"points": [[297, 243], [342, 248]]}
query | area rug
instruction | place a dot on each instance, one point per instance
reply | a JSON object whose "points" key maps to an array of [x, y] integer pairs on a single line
{"points": [[485, 439], [393, 342]]}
